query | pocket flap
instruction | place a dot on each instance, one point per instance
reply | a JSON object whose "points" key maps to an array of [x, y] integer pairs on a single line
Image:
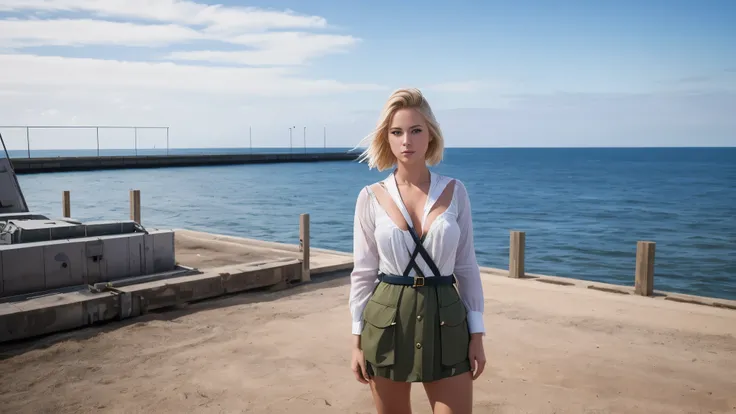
{"points": [[453, 315], [379, 315]]}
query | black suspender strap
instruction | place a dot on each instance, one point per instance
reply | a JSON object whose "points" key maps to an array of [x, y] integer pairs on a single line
{"points": [[419, 248], [413, 264]]}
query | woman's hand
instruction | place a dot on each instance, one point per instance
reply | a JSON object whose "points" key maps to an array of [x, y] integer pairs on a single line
{"points": [[357, 363], [477, 355]]}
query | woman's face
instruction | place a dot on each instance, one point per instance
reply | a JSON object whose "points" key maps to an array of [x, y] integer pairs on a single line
{"points": [[408, 136]]}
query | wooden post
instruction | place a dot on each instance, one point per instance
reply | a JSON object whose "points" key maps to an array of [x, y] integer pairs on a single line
{"points": [[304, 246], [516, 254], [135, 206], [644, 276], [66, 204]]}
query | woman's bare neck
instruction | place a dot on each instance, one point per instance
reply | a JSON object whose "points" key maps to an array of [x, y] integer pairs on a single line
{"points": [[412, 176]]}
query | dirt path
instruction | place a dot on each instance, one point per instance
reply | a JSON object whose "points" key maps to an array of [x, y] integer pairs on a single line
{"points": [[551, 349]]}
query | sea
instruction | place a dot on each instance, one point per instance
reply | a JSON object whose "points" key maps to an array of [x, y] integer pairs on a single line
{"points": [[583, 209]]}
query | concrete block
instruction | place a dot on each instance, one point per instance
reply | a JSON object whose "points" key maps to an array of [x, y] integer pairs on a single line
{"points": [[136, 258], [116, 257], [95, 261], [163, 250], [148, 254], [54, 313], [64, 263], [238, 278], [169, 292], [22, 269]]}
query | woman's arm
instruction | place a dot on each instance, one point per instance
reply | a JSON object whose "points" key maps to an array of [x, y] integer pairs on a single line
{"points": [[466, 265], [365, 258]]}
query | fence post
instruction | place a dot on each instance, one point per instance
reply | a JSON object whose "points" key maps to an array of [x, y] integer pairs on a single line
{"points": [[304, 246], [644, 276], [135, 206], [28, 141], [516, 254], [66, 207]]}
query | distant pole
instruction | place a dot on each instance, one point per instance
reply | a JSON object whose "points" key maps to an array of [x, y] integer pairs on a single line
{"points": [[325, 137], [167, 140], [289, 139], [136, 141], [516, 254], [644, 272], [250, 138], [28, 140], [305, 140], [98, 140]]}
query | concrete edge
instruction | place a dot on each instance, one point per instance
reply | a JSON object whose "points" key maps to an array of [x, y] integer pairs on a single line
{"points": [[617, 289], [72, 310], [492, 271]]}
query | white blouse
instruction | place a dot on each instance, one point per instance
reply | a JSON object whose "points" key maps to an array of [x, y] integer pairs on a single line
{"points": [[379, 246]]}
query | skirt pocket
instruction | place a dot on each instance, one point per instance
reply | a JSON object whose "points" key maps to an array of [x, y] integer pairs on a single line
{"points": [[378, 338], [454, 333]]}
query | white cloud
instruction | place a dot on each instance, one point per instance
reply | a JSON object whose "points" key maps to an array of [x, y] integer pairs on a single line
{"points": [[283, 48], [264, 48], [215, 17], [77, 32], [176, 25], [185, 21], [33, 72]]}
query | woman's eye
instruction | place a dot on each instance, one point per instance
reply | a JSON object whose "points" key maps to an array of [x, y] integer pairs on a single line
{"points": [[396, 132], [416, 131]]}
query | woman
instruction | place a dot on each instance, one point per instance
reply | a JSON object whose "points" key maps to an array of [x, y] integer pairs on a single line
{"points": [[413, 241]]}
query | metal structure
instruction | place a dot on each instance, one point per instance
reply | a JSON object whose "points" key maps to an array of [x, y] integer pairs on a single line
{"points": [[97, 128], [39, 254]]}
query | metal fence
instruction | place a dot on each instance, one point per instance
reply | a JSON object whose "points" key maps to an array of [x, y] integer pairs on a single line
{"points": [[97, 128], [291, 131]]}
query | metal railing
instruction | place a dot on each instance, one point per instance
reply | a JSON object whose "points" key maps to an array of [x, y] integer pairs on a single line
{"points": [[291, 148], [97, 128]]}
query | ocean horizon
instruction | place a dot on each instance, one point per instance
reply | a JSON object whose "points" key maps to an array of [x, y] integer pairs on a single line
{"points": [[583, 209]]}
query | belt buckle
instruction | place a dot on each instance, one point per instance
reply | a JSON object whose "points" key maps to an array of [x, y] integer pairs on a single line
{"points": [[418, 281]]}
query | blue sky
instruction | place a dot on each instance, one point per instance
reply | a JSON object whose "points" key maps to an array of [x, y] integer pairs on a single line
{"points": [[521, 73]]}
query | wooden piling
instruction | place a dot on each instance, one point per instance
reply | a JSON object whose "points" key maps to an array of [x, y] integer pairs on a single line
{"points": [[135, 206], [304, 246], [516, 254], [66, 204], [644, 276]]}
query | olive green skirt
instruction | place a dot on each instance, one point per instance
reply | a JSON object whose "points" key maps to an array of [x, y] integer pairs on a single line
{"points": [[415, 334]]}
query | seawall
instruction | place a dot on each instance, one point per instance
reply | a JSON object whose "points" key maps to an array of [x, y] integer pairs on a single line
{"points": [[62, 164]]}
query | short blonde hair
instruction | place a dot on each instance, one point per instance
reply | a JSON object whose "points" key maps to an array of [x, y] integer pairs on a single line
{"points": [[378, 154]]}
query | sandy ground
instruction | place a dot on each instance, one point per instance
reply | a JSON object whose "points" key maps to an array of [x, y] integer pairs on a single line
{"points": [[551, 349], [206, 250]]}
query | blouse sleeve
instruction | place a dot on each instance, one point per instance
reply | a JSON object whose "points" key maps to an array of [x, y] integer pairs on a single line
{"points": [[364, 276], [466, 265]]}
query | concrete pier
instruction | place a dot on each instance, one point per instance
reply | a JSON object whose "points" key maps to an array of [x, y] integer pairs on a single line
{"points": [[552, 344], [219, 265], [60, 164]]}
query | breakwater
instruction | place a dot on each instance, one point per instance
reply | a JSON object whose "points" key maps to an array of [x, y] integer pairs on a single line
{"points": [[61, 164]]}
